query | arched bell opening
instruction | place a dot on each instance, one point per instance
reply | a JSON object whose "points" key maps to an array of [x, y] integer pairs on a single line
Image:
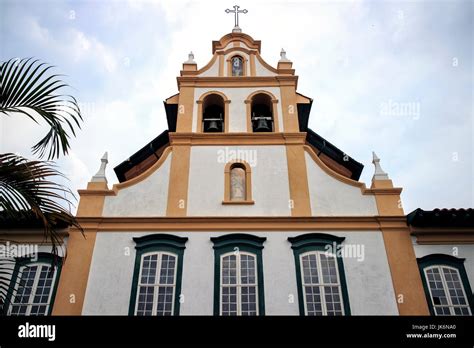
{"points": [[213, 116], [262, 113]]}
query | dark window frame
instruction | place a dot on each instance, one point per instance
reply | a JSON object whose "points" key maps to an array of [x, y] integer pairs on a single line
{"points": [[158, 243], [25, 261], [245, 242], [317, 242], [444, 260]]}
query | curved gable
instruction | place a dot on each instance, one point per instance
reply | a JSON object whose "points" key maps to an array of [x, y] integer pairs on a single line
{"points": [[332, 194], [145, 194]]}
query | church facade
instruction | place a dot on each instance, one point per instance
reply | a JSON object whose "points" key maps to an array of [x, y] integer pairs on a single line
{"points": [[240, 209]]}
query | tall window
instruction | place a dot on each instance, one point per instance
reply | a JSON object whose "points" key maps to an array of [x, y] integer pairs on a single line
{"points": [[237, 66], [238, 183], [239, 284], [33, 286], [446, 285], [157, 284], [157, 278], [320, 275], [238, 288], [321, 285]]}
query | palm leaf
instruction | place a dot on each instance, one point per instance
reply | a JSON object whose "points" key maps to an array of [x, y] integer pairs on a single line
{"points": [[26, 88], [27, 194]]}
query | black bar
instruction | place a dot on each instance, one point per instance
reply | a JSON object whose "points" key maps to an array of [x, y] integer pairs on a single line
{"points": [[223, 331]]}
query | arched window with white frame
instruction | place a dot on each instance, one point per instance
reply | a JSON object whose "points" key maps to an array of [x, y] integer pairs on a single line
{"points": [[156, 285], [446, 285], [322, 288], [33, 285], [321, 284], [239, 284], [238, 288]]}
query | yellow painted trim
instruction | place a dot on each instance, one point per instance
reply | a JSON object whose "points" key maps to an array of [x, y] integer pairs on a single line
{"points": [[185, 110], [179, 181], [244, 38], [237, 81], [253, 69], [351, 224], [289, 108], [221, 65], [192, 139], [196, 72], [400, 252], [248, 183], [73, 279], [298, 180]]}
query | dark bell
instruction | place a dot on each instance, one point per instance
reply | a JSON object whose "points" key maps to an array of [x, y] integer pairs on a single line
{"points": [[212, 127], [262, 126]]}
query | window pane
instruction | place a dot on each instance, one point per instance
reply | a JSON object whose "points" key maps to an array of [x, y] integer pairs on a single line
{"points": [[328, 268], [313, 300], [437, 290], [165, 300], [229, 270], [249, 303], [167, 269], [229, 300], [145, 300], [149, 269], [25, 285], [247, 269], [333, 300], [310, 269]]}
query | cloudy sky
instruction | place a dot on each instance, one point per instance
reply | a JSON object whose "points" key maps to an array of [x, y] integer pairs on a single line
{"points": [[391, 77]]}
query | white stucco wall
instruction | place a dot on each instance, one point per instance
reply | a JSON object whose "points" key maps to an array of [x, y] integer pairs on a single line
{"points": [[331, 197], [270, 187], [148, 197], [460, 251], [260, 70], [212, 71], [237, 108], [110, 279]]}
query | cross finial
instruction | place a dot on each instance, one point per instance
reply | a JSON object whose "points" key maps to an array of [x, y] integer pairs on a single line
{"points": [[236, 12]]}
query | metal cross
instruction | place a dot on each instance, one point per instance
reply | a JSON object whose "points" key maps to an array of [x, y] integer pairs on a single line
{"points": [[236, 12]]}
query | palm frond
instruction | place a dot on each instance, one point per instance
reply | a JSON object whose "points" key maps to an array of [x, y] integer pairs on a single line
{"points": [[25, 189], [27, 88]]}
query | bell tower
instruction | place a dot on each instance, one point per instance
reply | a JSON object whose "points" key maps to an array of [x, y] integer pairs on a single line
{"points": [[238, 102]]}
